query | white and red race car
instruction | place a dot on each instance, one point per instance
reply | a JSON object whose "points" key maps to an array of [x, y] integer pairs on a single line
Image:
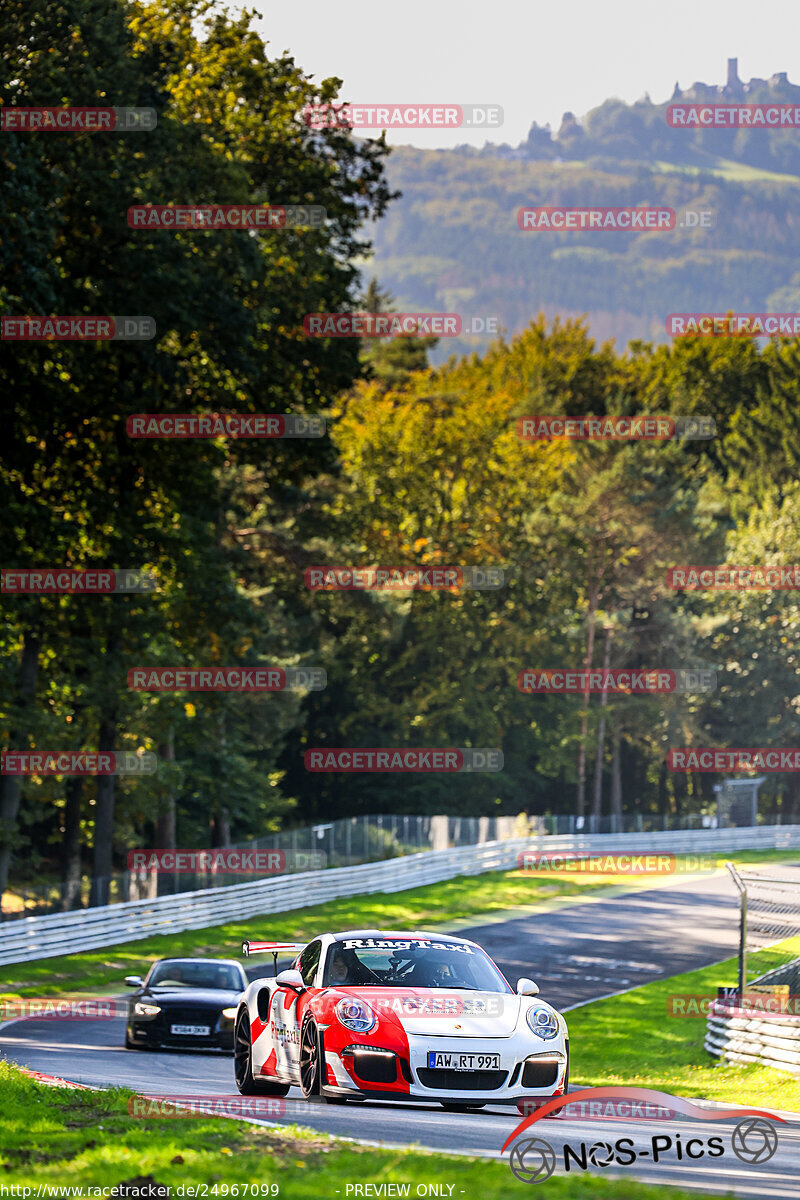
{"points": [[368, 1013]]}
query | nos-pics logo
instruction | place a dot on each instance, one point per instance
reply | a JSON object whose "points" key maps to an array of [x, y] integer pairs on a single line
{"points": [[754, 1140]]}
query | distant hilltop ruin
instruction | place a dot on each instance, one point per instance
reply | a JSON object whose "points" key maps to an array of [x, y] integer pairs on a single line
{"points": [[735, 89], [639, 131]]}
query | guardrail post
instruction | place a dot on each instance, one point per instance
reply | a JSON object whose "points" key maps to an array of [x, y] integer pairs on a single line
{"points": [[741, 885]]}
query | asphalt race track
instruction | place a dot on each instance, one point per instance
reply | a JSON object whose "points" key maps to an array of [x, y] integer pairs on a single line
{"points": [[579, 952]]}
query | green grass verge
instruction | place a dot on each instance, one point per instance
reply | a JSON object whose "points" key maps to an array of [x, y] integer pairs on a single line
{"points": [[73, 1139], [631, 1040], [479, 896]]}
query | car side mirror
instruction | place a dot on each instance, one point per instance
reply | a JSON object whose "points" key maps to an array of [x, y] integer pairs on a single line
{"points": [[526, 987], [291, 979], [133, 981]]}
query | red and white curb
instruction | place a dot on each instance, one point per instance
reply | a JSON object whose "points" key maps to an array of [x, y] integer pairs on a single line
{"points": [[55, 1081]]}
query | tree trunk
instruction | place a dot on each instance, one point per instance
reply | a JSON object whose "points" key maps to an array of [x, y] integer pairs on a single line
{"points": [[616, 783], [71, 863], [601, 734], [104, 820], [221, 829], [663, 797], [165, 822], [11, 785], [587, 663]]}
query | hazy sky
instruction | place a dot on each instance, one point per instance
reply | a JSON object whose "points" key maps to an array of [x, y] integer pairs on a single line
{"points": [[536, 60]]}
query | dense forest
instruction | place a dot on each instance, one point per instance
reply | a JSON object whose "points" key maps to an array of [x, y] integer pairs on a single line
{"points": [[420, 466]]}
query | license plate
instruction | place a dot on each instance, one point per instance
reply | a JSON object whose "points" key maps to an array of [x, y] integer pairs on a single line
{"points": [[191, 1030], [462, 1062]]}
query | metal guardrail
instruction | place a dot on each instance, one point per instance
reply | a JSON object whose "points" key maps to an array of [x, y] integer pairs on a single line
{"points": [[774, 1041], [53, 934], [343, 842]]}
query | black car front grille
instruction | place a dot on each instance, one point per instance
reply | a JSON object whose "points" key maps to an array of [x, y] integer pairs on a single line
{"points": [[463, 1081], [539, 1074], [375, 1068], [190, 1016]]}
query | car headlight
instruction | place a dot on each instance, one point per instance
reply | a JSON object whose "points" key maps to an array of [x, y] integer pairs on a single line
{"points": [[543, 1022], [230, 1013], [355, 1015], [146, 1010]]}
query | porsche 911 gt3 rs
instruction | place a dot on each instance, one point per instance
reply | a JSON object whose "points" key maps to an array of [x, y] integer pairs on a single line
{"points": [[369, 1013]]}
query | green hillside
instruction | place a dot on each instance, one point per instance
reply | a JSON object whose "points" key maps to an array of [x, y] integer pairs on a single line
{"points": [[452, 242]]}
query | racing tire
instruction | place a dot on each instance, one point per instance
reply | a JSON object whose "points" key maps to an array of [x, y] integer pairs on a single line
{"points": [[129, 1045], [243, 1062], [310, 1059], [449, 1106]]}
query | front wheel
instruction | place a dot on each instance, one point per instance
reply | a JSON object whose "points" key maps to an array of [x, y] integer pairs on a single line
{"points": [[310, 1059], [243, 1063]]}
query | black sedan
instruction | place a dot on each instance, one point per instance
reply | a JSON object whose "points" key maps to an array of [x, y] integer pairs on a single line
{"points": [[188, 1002]]}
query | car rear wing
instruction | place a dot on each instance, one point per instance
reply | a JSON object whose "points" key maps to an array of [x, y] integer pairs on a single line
{"points": [[273, 948], [249, 948]]}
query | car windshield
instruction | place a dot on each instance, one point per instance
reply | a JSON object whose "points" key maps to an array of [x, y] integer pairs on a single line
{"points": [[196, 975], [385, 962]]}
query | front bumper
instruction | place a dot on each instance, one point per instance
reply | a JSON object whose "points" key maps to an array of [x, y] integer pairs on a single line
{"points": [[156, 1031], [525, 1070]]}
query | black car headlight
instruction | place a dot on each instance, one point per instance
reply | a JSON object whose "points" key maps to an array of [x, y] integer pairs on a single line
{"points": [[146, 1010]]}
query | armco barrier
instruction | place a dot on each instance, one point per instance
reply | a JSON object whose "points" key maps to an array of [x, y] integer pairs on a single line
{"points": [[775, 1042], [89, 929]]}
